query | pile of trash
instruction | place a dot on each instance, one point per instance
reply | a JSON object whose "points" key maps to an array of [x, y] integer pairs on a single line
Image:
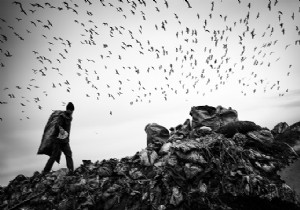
{"points": [[282, 132], [213, 161]]}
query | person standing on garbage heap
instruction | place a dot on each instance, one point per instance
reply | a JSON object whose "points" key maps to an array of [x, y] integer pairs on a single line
{"points": [[58, 140]]}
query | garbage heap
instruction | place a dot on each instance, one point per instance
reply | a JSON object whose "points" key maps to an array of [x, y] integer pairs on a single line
{"points": [[282, 132], [213, 161]]}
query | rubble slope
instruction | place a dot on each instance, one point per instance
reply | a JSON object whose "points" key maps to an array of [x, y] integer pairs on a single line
{"points": [[213, 161]]}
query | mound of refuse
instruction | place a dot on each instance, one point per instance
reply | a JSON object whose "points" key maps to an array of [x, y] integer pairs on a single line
{"points": [[282, 132], [213, 161]]}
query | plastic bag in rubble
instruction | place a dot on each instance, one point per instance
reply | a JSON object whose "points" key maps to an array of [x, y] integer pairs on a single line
{"points": [[148, 157], [239, 139], [211, 116], [135, 173], [200, 132], [165, 148], [295, 127], [60, 172], [172, 160], [67, 203], [182, 130], [196, 144], [202, 187], [263, 136], [230, 129], [280, 128], [156, 133], [167, 159], [291, 136], [162, 207], [176, 197], [191, 171], [186, 146], [193, 156], [155, 195], [105, 170]]}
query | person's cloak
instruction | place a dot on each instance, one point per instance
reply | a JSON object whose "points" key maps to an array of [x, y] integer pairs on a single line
{"points": [[50, 134]]}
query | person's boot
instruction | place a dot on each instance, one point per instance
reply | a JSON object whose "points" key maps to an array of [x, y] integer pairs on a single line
{"points": [[44, 173], [70, 173]]}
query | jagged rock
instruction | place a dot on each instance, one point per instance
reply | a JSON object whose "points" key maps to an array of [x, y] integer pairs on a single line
{"points": [[212, 117], [192, 168], [280, 128], [291, 136]]}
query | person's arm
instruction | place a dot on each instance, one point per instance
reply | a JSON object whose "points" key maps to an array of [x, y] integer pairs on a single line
{"points": [[62, 134]]}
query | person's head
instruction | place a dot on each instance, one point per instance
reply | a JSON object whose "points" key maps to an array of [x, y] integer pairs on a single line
{"points": [[70, 108]]}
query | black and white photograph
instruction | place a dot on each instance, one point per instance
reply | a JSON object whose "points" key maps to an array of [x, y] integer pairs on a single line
{"points": [[149, 104]]}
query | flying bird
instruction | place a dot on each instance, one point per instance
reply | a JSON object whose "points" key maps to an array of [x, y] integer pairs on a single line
{"points": [[4, 37], [37, 5], [20, 5], [33, 23], [188, 3], [7, 54]]}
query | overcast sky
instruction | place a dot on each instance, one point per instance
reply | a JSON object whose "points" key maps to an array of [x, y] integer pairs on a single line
{"points": [[127, 63]]}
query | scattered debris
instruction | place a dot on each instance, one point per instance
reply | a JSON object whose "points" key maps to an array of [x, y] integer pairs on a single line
{"points": [[196, 165]]}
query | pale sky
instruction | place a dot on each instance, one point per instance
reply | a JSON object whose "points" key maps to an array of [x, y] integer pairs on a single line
{"points": [[125, 64]]}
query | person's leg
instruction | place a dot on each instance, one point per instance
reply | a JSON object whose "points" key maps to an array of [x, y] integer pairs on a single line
{"points": [[56, 152], [68, 153]]}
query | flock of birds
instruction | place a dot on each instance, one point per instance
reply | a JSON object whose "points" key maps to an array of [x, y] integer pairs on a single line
{"points": [[199, 59]]}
